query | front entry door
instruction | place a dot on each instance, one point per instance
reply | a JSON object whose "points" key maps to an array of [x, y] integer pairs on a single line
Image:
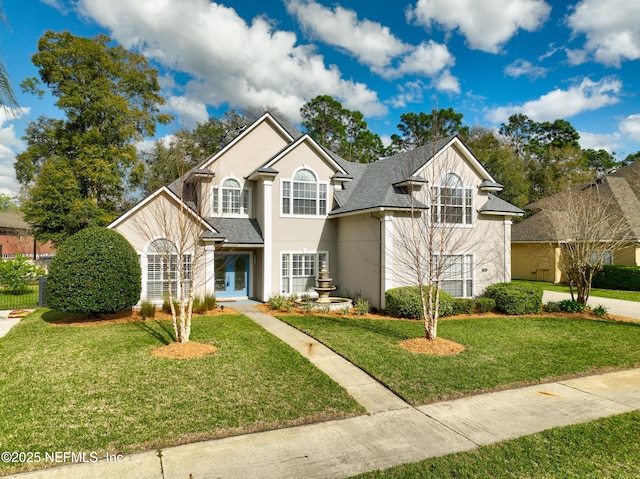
{"points": [[232, 275]]}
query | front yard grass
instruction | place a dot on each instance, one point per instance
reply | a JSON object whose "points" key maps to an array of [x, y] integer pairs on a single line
{"points": [[606, 448], [85, 389], [595, 292], [501, 352]]}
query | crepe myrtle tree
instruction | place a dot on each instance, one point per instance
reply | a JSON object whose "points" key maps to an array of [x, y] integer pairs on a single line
{"points": [[589, 230]]}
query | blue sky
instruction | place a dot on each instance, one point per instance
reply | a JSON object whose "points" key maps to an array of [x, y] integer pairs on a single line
{"points": [[577, 60]]}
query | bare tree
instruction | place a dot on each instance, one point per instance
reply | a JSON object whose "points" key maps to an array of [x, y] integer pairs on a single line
{"points": [[173, 224], [589, 228], [435, 242]]}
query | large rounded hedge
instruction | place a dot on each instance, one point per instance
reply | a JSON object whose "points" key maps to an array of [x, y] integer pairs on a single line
{"points": [[95, 271]]}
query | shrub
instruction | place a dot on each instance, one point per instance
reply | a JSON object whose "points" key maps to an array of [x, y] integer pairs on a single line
{"points": [[203, 304], [16, 274], [512, 298], [95, 271], [485, 305], [166, 306], [147, 309], [462, 306], [362, 306], [570, 306], [277, 301], [600, 311], [404, 302], [617, 277], [552, 307]]}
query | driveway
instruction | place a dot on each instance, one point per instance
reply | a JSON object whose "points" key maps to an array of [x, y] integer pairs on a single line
{"points": [[631, 309]]}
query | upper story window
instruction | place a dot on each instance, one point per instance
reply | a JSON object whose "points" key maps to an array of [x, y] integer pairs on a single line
{"points": [[304, 195], [233, 199], [452, 202]]}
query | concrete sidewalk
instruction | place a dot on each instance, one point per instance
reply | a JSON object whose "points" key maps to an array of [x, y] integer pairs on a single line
{"points": [[6, 323], [631, 309], [393, 433]]}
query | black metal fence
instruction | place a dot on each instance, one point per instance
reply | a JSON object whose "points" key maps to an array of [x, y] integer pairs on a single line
{"points": [[33, 297]]}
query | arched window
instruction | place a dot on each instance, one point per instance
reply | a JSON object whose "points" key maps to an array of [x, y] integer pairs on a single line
{"points": [[304, 195], [235, 200], [452, 202], [231, 197], [163, 270]]}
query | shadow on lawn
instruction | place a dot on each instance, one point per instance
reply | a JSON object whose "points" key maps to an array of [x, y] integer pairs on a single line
{"points": [[162, 333], [377, 327]]}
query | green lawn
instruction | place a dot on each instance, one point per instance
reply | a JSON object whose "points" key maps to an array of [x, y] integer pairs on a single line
{"points": [[601, 293], [500, 352], [99, 389], [606, 448]]}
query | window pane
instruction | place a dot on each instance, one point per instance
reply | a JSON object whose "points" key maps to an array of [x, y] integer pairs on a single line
{"points": [[323, 199], [245, 202], [286, 197]]}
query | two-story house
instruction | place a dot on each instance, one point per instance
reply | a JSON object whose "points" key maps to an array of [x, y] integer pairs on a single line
{"points": [[269, 208]]}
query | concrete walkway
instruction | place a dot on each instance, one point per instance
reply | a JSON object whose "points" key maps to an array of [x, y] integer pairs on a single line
{"points": [[393, 433], [620, 307], [6, 323]]}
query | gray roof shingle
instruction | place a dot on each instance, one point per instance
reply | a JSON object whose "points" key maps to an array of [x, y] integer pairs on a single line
{"points": [[236, 230]]}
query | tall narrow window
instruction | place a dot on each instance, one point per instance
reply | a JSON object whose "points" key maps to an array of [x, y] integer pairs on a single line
{"points": [[452, 202]]}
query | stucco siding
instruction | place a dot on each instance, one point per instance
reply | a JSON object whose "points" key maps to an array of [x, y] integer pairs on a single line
{"points": [[359, 257]]}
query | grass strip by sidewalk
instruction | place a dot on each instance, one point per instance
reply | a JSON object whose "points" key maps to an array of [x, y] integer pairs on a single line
{"points": [[606, 448], [86, 389], [501, 352], [595, 292]]}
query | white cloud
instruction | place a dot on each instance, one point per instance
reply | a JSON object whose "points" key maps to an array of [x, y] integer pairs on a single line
{"points": [[487, 25], [630, 126], [230, 62], [595, 141], [190, 110], [447, 83], [370, 42], [428, 58], [522, 67], [410, 92], [611, 28], [588, 95], [10, 145]]}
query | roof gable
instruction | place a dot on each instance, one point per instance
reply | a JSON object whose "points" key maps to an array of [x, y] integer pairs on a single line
{"points": [[314, 146], [164, 191]]}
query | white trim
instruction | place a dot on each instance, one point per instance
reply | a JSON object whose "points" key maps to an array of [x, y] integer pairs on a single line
{"points": [[387, 252], [181, 204], [267, 236], [457, 144], [300, 252], [266, 117], [291, 214], [314, 145], [218, 189]]}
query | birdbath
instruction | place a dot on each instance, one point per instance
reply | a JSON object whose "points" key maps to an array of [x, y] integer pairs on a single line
{"points": [[323, 289]]}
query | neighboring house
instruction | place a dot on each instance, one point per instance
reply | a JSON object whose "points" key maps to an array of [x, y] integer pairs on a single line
{"points": [[536, 245], [272, 205], [16, 239]]}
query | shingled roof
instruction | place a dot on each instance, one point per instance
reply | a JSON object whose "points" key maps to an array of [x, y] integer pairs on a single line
{"points": [[621, 186], [376, 185]]}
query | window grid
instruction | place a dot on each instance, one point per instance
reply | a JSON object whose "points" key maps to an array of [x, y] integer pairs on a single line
{"points": [[456, 274], [453, 204], [299, 271], [303, 195]]}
